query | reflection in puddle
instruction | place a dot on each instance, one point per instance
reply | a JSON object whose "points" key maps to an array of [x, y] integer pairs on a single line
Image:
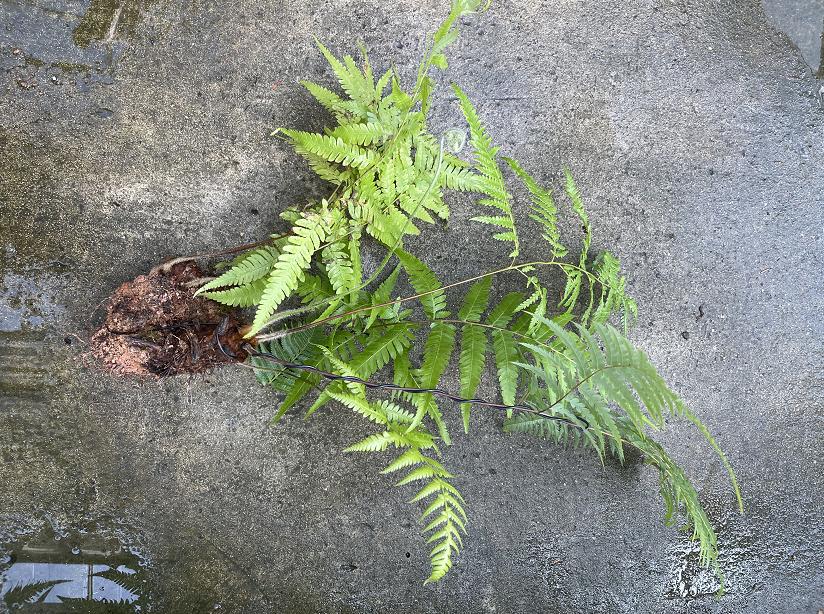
{"points": [[76, 571], [63, 582]]}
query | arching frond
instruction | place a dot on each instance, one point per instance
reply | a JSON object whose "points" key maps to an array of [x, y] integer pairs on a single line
{"points": [[610, 388]]}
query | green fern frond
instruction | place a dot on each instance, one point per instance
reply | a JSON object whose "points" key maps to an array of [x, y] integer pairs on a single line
{"points": [[373, 443], [544, 210], [679, 496], [299, 346], [436, 353], [340, 270], [385, 225], [476, 301], [577, 204], [368, 133], [381, 295], [613, 297], [604, 370], [471, 365], [506, 355], [330, 148], [306, 238], [491, 183], [444, 516], [506, 308], [575, 275], [425, 404], [254, 265], [381, 349], [448, 32], [350, 77], [503, 345], [472, 357], [342, 109], [314, 289], [424, 281], [341, 367], [239, 296], [326, 170], [370, 411], [594, 389]]}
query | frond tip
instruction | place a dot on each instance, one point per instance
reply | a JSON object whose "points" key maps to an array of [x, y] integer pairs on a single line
{"points": [[444, 518]]}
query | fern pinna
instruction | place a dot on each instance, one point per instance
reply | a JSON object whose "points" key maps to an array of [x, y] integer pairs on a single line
{"points": [[562, 371]]}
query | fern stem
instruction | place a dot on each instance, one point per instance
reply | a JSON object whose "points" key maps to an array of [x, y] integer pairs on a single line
{"points": [[165, 266], [254, 352], [517, 267]]}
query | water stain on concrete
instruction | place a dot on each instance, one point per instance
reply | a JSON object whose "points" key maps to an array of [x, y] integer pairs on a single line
{"points": [[106, 19]]}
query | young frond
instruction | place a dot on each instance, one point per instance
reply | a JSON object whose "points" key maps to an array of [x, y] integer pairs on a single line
{"points": [[448, 32]]}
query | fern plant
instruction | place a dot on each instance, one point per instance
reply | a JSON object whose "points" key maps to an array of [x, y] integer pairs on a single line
{"points": [[323, 326]]}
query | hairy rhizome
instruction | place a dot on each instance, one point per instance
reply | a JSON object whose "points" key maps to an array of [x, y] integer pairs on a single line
{"points": [[324, 326]]}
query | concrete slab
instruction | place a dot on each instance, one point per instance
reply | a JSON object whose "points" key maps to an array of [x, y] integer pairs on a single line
{"points": [[131, 132]]}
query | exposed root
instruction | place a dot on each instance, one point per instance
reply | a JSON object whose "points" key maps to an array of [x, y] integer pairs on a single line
{"points": [[156, 326]]}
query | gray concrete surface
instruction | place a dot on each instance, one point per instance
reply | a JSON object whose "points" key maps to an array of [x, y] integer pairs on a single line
{"points": [[133, 134]]}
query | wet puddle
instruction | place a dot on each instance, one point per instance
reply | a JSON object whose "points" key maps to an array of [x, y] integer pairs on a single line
{"points": [[94, 567]]}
